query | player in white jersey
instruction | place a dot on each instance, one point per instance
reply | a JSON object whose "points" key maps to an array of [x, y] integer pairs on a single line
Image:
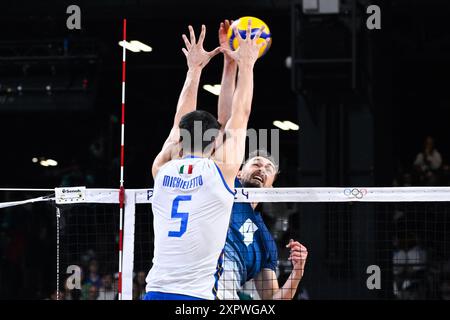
{"points": [[192, 199]]}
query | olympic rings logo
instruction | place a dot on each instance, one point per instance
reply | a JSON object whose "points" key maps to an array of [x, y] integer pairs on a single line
{"points": [[355, 193]]}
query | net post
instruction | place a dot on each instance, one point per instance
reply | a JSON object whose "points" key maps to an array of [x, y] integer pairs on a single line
{"points": [[58, 216], [121, 215], [122, 154], [128, 245]]}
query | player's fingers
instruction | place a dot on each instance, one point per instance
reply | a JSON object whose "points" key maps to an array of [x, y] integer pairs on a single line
{"points": [[192, 35], [258, 34], [186, 41], [185, 52], [202, 35], [302, 252], [290, 243], [228, 52], [262, 44], [297, 258], [249, 30], [297, 254], [214, 52], [237, 34], [294, 243], [297, 246], [301, 256]]}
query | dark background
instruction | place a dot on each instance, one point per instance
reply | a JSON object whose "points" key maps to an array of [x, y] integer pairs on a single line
{"points": [[381, 103], [364, 99]]}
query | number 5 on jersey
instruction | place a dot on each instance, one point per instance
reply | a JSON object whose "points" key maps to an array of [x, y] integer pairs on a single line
{"points": [[179, 215]]}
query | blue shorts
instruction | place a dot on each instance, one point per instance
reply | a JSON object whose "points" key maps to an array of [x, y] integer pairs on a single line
{"points": [[154, 295]]}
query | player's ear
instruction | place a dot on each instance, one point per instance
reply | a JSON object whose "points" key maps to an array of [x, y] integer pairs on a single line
{"points": [[213, 150], [239, 174], [213, 146]]}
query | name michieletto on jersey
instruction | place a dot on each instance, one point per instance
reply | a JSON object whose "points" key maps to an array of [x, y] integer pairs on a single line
{"points": [[177, 182]]}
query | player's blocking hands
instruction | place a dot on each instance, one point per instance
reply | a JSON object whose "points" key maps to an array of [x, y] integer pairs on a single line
{"points": [[248, 51], [196, 55], [298, 255]]}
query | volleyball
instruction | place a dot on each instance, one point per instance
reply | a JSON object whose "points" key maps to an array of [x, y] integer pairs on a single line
{"points": [[241, 26]]}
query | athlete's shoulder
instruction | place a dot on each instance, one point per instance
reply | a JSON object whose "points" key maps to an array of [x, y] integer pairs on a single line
{"points": [[164, 167]]}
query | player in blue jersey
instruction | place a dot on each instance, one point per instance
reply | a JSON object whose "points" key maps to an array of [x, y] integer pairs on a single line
{"points": [[192, 199], [250, 250]]}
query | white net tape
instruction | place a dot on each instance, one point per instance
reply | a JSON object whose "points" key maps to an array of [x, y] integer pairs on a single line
{"points": [[351, 194], [410, 194]]}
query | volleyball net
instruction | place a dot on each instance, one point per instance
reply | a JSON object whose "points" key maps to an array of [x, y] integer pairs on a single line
{"points": [[363, 243]]}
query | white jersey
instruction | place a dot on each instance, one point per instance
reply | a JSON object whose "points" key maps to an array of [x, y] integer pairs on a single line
{"points": [[191, 213]]}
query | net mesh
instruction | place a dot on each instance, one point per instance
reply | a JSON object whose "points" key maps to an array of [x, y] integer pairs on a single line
{"points": [[349, 245], [89, 249], [143, 248], [356, 250]]}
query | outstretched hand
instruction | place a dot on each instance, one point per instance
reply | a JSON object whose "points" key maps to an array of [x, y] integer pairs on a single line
{"points": [[196, 55], [223, 32], [248, 51]]}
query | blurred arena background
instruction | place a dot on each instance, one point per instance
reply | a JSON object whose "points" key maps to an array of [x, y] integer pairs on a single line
{"points": [[365, 102]]}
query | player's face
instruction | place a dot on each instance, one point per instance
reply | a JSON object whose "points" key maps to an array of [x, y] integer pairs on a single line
{"points": [[258, 172]]}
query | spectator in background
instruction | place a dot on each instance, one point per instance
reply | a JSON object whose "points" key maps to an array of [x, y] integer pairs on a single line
{"points": [[140, 282], [410, 266], [428, 163], [136, 295], [445, 281], [92, 293], [107, 291], [93, 277], [445, 290], [53, 296], [445, 174], [303, 294], [72, 294]]}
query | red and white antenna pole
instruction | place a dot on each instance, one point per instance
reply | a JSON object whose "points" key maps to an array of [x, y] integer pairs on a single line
{"points": [[122, 143]]}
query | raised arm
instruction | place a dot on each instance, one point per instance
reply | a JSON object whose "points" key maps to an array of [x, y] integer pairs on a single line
{"points": [[266, 281], [197, 58], [231, 153], [228, 83]]}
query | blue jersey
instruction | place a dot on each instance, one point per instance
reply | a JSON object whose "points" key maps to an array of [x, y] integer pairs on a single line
{"points": [[249, 247]]}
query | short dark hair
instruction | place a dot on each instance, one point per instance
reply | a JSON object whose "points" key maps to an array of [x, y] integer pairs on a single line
{"points": [[264, 154], [188, 124]]}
